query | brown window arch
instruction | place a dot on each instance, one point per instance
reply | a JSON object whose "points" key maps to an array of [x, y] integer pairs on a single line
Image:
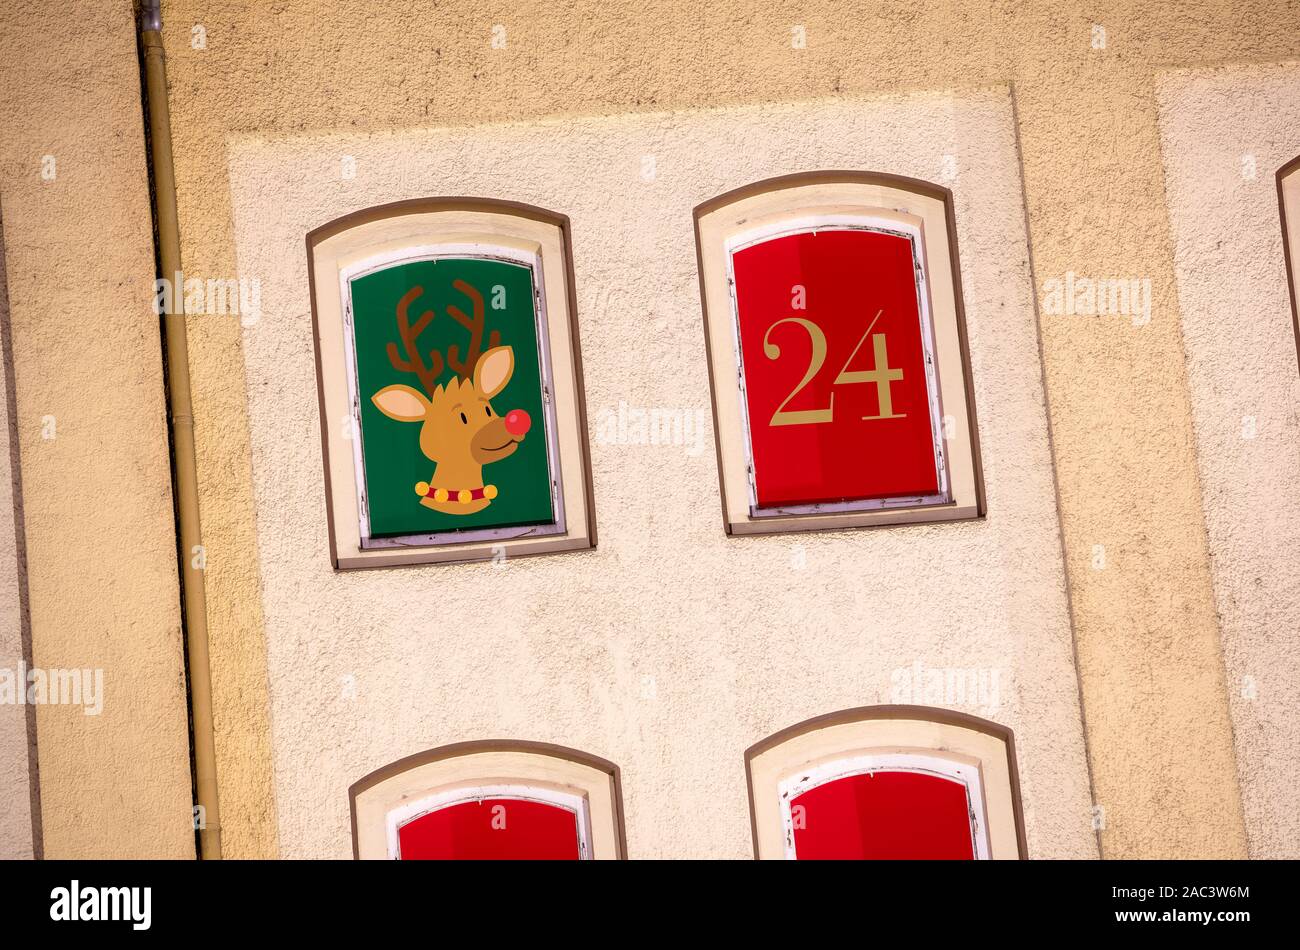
{"points": [[495, 799], [886, 782], [1288, 199]]}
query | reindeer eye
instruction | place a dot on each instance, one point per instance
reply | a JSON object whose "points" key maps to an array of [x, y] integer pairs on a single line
{"points": [[488, 410], [463, 420]]}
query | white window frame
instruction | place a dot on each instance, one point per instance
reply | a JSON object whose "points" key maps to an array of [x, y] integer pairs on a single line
{"points": [[386, 235], [824, 199], [811, 224], [405, 814], [453, 251], [960, 773], [467, 770]]}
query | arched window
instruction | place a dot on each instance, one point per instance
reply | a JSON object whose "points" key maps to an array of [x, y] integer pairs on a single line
{"points": [[887, 782], [451, 403], [490, 801], [837, 347]]}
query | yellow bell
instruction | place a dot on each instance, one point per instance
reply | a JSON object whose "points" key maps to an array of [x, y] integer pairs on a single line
{"points": [[422, 488], [464, 496], [489, 492], [440, 494]]}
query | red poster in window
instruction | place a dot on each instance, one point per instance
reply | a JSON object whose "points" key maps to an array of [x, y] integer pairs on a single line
{"points": [[835, 359], [492, 829], [883, 816]]}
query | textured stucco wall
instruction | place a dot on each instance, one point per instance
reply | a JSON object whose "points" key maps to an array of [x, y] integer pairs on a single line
{"points": [[1146, 628], [1145, 625], [1225, 133], [15, 751], [671, 648], [101, 553]]}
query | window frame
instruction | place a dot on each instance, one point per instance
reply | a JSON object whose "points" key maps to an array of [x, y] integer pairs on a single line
{"points": [[787, 204], [421, 229], [943, 738], [460, 771]]}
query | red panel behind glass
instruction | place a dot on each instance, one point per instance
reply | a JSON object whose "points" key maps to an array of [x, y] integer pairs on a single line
{"points": [[848, 277], [492, 829], [884, 815]]}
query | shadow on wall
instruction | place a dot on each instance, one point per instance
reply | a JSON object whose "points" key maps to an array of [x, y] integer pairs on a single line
{"points": [[20, 807]]}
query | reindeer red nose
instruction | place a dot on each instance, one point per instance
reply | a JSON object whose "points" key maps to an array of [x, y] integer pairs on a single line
{"points": [[517, 422]]}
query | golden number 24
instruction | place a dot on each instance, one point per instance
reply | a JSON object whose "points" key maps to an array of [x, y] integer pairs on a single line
{"points": [[881, 374]]}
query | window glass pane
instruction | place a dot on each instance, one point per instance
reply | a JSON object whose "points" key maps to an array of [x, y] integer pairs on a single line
{"points": [[447, 406], [836, 361], [492, 829], [883, 815]]}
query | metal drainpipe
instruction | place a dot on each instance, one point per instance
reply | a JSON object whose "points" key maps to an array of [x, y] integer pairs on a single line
{"points": [[182, 432]]}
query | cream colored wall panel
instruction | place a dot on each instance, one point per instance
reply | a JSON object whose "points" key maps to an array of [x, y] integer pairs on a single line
{"points": [[1224, 134], [671, 648]]}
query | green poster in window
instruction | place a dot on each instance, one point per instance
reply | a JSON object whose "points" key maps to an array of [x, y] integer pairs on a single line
{"points": [[450, 393]]}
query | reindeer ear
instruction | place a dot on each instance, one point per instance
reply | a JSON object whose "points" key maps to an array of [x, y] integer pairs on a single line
{"points": [[494, 369], [401, 403]]}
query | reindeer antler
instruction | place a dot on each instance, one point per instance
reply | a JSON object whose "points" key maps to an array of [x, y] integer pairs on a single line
{"points": [[414, 362], [475, 327]]}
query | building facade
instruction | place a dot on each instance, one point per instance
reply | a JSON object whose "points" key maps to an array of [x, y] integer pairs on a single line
{"points": [[1069, 632]]}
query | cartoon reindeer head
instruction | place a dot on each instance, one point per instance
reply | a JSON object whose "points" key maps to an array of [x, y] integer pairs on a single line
{"points": [[460, 430]]}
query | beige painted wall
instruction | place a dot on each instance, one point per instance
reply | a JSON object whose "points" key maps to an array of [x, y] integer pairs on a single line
{"points": [[96, 496], [671, 648], [1225, 133], [1146, 632]]}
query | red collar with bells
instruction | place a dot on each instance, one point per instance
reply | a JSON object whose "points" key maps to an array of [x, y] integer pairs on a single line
{"points": [[462, 495]]}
